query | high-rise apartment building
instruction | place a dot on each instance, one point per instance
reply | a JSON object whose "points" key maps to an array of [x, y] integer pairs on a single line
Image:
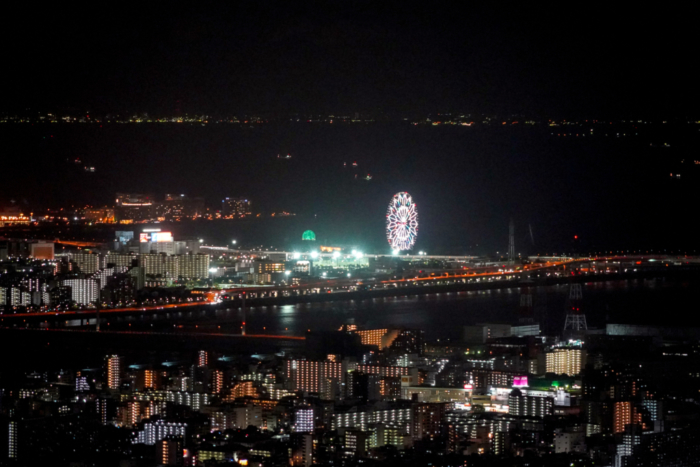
{"points": [[304, 420], [384, 371], [303, 454], [194, 266], [169, 451], [202, 358], [243, 417], [101, 409], [83, 291], [566, 360], [12, 439], [625, 413], [654, 408], [529, 406], [89, 263], [156, 430], [427, 420], [217, 381], [188, 266], [372, 336], [395, 416], [160, 265], [131, 414], [150, 379], [166, 247], [357, 443], [312, 376], [14, 296], [81, 383], [114, 369], [383, 435], [243, 389], [382, 338]]}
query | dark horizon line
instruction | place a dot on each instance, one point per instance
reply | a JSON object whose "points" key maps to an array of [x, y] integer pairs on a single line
{"points": [[384, 114]]}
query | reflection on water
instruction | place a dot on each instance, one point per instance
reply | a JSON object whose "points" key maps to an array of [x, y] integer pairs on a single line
{"points": [[659, 301]]}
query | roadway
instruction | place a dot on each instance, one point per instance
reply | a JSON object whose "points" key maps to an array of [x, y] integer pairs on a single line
{"points": [[320, 289], [272, 292], [291, 255]]}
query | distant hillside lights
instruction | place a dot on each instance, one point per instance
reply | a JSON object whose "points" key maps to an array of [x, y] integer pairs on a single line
{"points": [[141, 208], [232, 208]]}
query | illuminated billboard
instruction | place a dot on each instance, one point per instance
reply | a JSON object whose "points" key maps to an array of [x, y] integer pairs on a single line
{"points": [[156, 237], [520, 382]]}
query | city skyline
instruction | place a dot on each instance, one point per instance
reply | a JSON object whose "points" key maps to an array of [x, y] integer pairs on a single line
{"points": [[357, 234]]}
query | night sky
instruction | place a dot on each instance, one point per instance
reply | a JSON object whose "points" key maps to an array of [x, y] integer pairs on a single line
{"points": [[568, 60]]}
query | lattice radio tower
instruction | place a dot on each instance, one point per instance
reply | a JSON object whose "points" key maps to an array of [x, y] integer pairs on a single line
{"points": [[575, 318]]}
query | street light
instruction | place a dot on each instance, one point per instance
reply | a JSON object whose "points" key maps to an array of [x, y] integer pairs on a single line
{"points": [[314, 254], [233, 241], [395, 252]]}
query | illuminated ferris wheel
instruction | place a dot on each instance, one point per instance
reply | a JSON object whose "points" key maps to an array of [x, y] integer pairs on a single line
{"points": [[402, 222]]}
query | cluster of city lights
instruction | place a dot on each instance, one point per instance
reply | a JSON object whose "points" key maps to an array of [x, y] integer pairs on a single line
{"points": [[335, 255]]}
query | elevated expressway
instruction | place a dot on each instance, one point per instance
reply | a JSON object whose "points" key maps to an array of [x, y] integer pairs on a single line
{"points": [[545, 270]]}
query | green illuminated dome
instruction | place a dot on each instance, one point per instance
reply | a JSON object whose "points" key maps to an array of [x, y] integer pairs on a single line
{"points": [[308, 235]]}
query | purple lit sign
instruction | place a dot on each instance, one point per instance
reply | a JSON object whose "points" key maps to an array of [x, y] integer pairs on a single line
{"points": [[520, 382]]}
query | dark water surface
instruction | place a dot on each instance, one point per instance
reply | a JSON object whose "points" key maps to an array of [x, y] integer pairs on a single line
{"points": [[659, 302], [614, 192]]}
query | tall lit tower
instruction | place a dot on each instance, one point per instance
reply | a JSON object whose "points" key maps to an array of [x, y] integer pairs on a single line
{"points": [[511, 241], [114, 375], [575, 318]]}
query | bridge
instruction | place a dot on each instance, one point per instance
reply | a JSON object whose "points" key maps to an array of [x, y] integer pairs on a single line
{"points": [[548, 271], [77, 243]]}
